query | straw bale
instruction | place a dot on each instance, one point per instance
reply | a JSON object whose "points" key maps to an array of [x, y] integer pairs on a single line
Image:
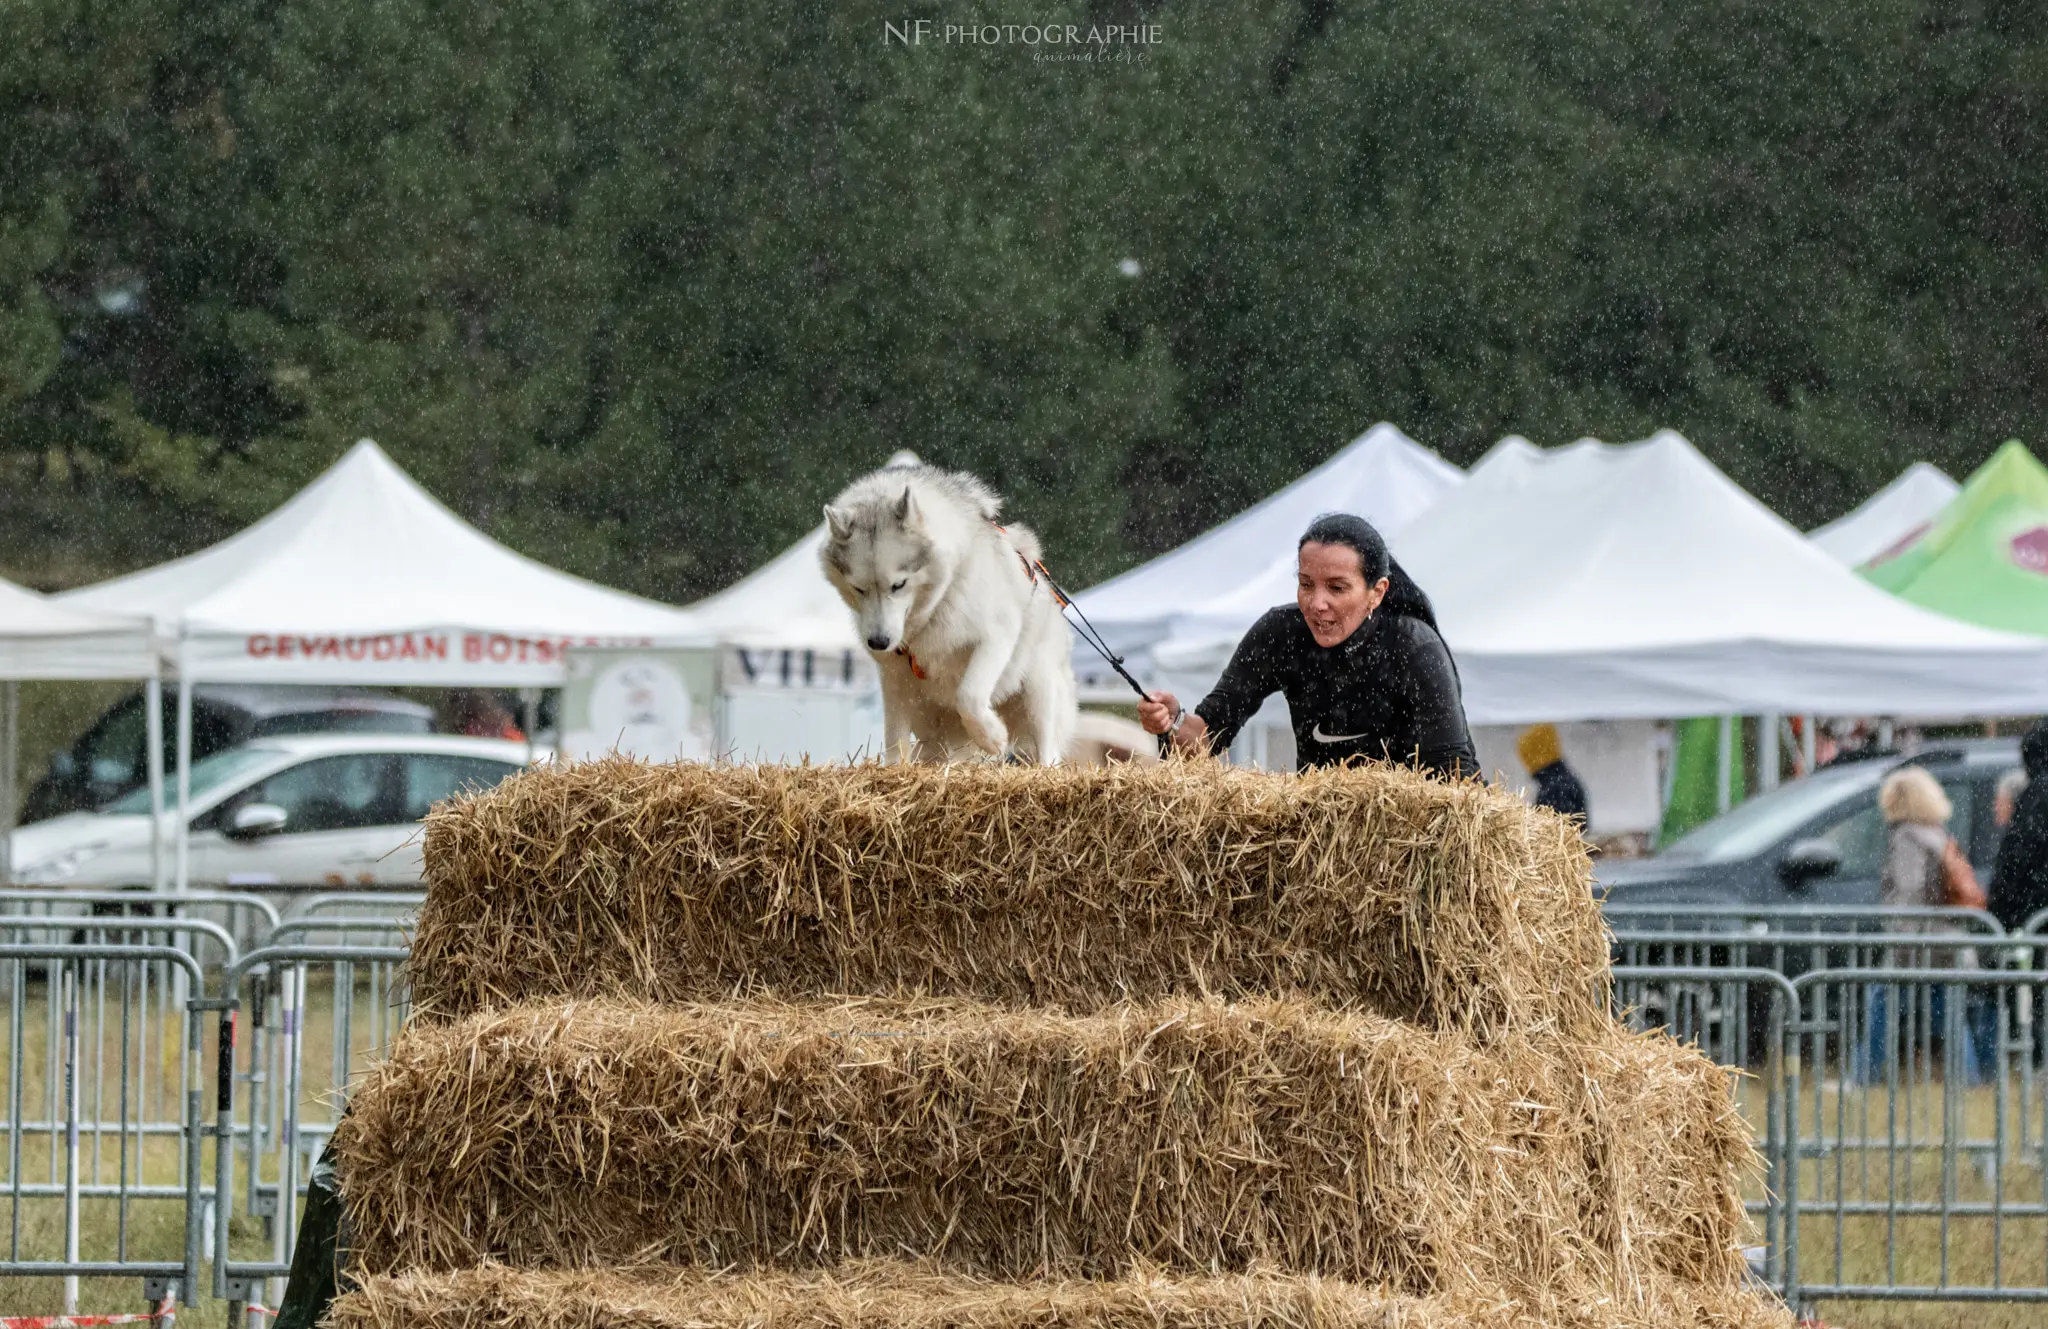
{"points": [[1192, 1133], [1452, 904], [882, 1296], [1663, 1137]]}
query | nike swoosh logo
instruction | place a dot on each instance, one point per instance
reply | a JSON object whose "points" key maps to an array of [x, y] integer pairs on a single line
{"points": [[1319, 736]]}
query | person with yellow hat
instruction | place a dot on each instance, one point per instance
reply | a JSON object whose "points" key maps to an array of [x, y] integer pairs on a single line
{"points": [[1557, 788]]}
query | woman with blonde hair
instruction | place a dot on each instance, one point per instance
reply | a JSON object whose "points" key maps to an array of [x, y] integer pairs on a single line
{"points": [[1916, 811]]}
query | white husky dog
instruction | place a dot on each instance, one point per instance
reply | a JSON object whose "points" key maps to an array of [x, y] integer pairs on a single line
{"points": [[972, 649]]}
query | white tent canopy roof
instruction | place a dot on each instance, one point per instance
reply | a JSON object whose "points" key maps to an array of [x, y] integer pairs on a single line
{"points": [[40, 638], [364, 577], [1383, 476], [1899, 510], [786, 603], [1599, 582]]}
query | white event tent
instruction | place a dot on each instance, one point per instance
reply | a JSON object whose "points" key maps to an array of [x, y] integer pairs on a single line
{"points": [[1638, 581], [1892, 515], [785, 604], [365, 578], [42, 639], [1383, 475]]}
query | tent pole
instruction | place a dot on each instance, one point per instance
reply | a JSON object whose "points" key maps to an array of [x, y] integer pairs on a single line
{"points": [[1724, 773], [153, 703], [184, 774], [10, 715], [1767, 753]]}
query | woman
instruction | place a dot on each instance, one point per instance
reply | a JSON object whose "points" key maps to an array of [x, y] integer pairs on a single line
{"points": [[1357, 656], [1916, 813]]}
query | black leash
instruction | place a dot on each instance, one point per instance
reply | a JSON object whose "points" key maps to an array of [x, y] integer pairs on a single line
{"points": [[1087, 632]]}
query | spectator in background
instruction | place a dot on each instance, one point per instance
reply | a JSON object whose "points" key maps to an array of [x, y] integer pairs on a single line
{"points": [[1557, 788], [1843, 741], [2019, 877], [1916, 811], [479, 714]]}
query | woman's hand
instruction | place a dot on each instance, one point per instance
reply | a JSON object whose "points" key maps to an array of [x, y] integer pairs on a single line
{"points": [[1158, 711]]}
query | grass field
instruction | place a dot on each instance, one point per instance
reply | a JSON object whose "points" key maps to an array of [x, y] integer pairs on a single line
{"points": [[1880, 1248], [1849, 1248]]}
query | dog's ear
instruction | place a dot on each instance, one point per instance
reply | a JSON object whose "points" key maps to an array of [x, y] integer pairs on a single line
{"points": [[841, 524], [907, 514]]}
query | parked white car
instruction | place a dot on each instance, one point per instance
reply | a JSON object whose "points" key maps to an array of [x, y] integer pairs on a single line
{"points": [[313, 810]]}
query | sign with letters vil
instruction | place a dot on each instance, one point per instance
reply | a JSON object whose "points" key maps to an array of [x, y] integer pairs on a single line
{"points": [[778, 668]]}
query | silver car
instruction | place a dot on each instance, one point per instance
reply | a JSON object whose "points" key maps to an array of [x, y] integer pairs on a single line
{"points": [[284, 813]]}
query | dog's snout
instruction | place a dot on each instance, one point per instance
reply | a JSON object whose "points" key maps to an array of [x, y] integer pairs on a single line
{"points": [[877, 642]]}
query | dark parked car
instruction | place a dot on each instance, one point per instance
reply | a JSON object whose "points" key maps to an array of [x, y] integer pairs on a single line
{"points": [[1819, 840], [110, 759], [1816, 841]]}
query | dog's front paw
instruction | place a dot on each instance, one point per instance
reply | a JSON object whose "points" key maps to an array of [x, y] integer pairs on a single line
{"points": [[988, 731]]}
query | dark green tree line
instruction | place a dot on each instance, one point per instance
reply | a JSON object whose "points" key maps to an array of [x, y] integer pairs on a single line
{"points": [[636, 286]]}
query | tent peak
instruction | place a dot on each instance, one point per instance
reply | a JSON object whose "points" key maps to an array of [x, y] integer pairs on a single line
{"points": [[2014, 458], [366, 452], [1383, 434], [1891, 518]]}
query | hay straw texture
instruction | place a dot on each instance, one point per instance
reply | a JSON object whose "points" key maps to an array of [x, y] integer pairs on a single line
{"points": [[885, 1297], [1455, 905], [1189, 1133]]}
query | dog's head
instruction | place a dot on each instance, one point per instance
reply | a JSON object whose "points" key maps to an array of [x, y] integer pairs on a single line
{"points": [[878, 556]]}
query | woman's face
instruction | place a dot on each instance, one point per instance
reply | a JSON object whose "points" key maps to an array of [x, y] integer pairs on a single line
{"points": [[1333, 593]]}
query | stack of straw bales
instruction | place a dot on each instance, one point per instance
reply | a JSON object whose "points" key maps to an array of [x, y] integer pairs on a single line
{"points": [[977, 1045]]}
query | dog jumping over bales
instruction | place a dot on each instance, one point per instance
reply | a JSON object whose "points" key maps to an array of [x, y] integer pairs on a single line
{"points": [[963, 624]]}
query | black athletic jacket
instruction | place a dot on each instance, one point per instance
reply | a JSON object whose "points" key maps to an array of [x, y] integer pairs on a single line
{"points": [[1558, 788], [1388, 691]]}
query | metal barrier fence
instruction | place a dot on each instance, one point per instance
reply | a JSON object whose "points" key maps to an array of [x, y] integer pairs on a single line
{"points": [[1795, 952], [379, 918], [317, 1015], [1902, 1114], [207, 942], [246, 918], [1901, 1109], [1716, 1009], [92, 1071], [1924, 1172], [1707, 916], [375, 904], [376, 932], [310, 1017]]}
